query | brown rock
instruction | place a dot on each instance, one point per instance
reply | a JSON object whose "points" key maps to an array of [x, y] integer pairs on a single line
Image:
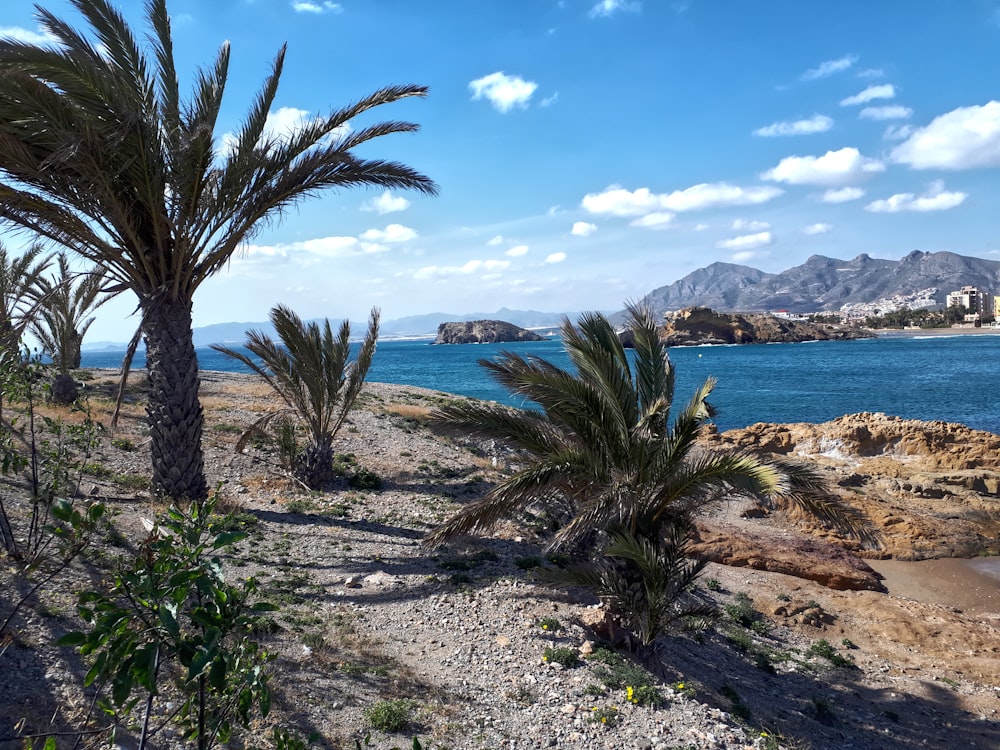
{"points": [[791, 554]]}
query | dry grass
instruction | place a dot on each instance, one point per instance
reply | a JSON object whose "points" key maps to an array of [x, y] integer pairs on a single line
{"points": [[410, 411]]}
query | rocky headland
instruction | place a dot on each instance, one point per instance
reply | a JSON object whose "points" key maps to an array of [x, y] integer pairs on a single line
{"points": [[701, 325], [483, 332], [839, 657]]}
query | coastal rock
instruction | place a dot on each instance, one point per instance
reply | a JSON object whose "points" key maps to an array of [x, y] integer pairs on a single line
{"points": [[483, 332], [929, 488], [785, 552], [701, 325]]}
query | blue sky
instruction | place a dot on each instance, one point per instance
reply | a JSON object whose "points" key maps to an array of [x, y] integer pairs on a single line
{"points": [[590, 151]]}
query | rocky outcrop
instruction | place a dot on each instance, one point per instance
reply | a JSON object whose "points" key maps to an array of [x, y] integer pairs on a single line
{"points": [[931, 489], [483, 332], [701, 325], [785, 552]]}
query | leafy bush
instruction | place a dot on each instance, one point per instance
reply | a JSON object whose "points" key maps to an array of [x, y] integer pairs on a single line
{"points": [[390, 716], [563, 655]]}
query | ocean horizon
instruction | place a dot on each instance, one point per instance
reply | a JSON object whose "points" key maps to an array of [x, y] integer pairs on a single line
{"points": [[941, 377]]}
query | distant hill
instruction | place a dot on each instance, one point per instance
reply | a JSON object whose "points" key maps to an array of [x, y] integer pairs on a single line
{"points": [[413, 325], [824, 284]]}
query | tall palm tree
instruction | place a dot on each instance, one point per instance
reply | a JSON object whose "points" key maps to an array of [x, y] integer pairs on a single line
{"points": [[600, 449], [62, 320], [100, 153], [21, 288], [312, 372]]}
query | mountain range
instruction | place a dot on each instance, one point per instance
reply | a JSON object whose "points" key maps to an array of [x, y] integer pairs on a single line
{"points": [[820, 284], [824, 284]]}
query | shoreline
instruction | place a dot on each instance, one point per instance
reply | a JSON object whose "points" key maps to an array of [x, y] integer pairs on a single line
{"points": [[921, 332]]}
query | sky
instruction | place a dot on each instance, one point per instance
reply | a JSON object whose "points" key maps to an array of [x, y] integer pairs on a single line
{"points": [[590, 151]]}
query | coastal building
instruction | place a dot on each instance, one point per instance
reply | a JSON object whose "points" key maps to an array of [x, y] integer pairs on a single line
{"points": [[980, 304]]}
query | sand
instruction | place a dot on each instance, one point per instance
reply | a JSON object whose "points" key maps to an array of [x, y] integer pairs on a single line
{"points": [[970, 585]]}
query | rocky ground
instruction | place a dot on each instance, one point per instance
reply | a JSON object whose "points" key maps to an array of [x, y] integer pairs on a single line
{"points": [[456, 636]]}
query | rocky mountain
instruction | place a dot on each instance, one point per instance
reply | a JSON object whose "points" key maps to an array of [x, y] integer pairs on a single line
{"points": [[483, 332], [700, 325], [824, 284]]}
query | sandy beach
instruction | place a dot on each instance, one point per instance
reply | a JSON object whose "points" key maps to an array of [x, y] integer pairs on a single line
{"points": [[914, 332], [971, 585]]}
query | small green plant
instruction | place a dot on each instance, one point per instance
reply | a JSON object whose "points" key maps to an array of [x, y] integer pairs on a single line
{"points": [[528, 562], [605, 715], [823, 710], [391, 715], [683, 689], [123, 444], [135, 482], [825, 649], [742, 611], [549, 624], [712, 584], [364, 479], [644, 695], [784, 597], [849, 644], [565, 656], [616, 672], [737, 708]]}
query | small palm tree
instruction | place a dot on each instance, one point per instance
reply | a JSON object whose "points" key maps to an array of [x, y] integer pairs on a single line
{"points": [[102, 154], [312, 372], [62, 321], [21, 287], [600, 450]]}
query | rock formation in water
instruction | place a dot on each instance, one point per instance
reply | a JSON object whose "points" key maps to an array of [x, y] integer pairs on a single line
{"points": [[483, 332], [701, 325]]}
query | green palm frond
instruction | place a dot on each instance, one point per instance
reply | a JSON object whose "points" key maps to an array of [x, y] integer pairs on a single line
{"points": [[310, 369]]}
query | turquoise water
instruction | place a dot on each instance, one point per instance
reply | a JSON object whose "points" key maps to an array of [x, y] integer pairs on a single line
{"points": [[948, 378]]}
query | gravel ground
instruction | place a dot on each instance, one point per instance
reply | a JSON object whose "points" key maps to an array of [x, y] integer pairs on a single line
{"points": [[456, 635]]}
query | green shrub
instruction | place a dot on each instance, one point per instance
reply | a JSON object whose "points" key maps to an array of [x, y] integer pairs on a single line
{"points": [[364, 479], [563, 655], [616, 672], [390, 716], [123, 444]]}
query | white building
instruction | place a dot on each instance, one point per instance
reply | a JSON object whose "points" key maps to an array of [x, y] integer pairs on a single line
{"points": [[978, 302]]}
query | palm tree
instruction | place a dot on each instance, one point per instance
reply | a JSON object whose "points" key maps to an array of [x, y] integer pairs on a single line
{"points": [[100, 153], [600, 451], [62, 322], [312, 373], [21, 288]]}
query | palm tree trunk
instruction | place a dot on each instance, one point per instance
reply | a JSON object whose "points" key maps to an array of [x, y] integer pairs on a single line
{"points": [[174, 411]]}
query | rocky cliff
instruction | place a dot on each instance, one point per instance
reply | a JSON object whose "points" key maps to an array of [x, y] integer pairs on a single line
{"points": [[931, 489], [701, 325], [483, 332]]}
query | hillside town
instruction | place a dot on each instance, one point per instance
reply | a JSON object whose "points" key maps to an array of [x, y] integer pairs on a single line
{"points": [[979, 306]]}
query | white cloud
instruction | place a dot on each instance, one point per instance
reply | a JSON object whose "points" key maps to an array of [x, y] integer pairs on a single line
{"points": [[27, 35], [700, 227], [582, 229], [743, 225], [386, 203], [469, 267], [517, 251], [503, 91], [655, 220], [843, 195], [605, 8], [815, 124], [555, 258], [618, 201], [886, 113], [829, 67], [965, 138], [304, 6], [935, 199], [496, 240], [882, 91], [743, 257], [746, 241], [833, 168], [871, 73], [817, 229], [549, 100], [898, 132], [323, 247], [392, 233]]}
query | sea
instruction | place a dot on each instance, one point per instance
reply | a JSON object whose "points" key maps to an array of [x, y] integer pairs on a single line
{"points": [[947, 378]]}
